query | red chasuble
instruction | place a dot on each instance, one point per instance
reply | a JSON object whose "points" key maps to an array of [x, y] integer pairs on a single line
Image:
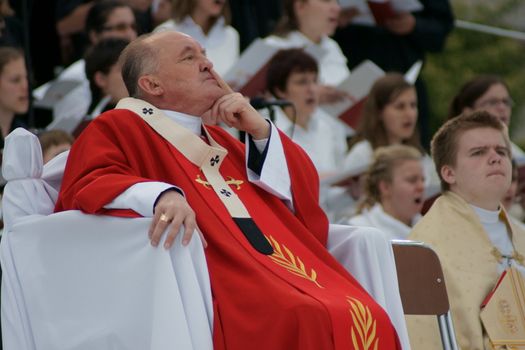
{"points": [[299, 297]]}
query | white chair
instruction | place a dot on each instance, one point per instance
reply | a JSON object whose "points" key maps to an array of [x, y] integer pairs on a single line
{"points": [[77, 281]]}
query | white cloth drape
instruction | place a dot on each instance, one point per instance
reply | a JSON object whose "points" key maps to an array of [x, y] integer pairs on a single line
{"points": [[80, 282], [83, 282], [367, 254], [26, 191]]}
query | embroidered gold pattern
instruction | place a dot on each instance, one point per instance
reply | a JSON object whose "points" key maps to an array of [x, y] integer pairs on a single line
{"points": [[202, 182], [365, 326], [291, 262], [231, 181]]}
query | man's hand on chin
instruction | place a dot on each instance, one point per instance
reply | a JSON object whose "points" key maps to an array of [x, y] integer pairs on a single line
{"points": [[234, 110]]}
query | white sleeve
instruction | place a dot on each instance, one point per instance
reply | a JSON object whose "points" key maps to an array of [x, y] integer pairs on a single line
{"points": [[274, 177], [140, 197]]}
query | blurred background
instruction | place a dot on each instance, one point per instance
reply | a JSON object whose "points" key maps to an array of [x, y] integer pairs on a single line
{"points": [[489, 37]]}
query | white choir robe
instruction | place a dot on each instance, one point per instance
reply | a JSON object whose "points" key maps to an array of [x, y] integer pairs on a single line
{"points": [[376, 217]]}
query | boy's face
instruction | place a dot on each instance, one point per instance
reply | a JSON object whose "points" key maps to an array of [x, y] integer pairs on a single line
{"points": [[483, 171]]}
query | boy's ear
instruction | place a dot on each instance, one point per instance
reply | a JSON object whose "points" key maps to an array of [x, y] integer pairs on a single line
{"points": [[448, 174]]}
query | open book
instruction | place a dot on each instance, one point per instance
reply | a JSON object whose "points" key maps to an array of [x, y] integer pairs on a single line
{"points": [[503, 311], [248, 75], [376, 12], [358, 85], [345, 177]]}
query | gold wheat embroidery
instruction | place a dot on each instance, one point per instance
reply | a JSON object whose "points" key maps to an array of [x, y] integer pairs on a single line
{"points": [[365, 326], [292, 263]]}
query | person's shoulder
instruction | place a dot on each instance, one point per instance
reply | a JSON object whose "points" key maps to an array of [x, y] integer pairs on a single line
{"points": [[329, 42], [360, 220], [75, 71], [362, 146], [118, 117], [170, 24], [280, 41], [230, 31]]}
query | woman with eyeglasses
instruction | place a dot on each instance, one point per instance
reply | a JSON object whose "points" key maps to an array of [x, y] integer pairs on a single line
{"points": [[105, 19], [488, 93], [207, 21]]}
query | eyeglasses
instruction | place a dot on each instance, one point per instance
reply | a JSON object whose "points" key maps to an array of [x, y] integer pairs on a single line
{"points": [[493, 102], [120, 27]]}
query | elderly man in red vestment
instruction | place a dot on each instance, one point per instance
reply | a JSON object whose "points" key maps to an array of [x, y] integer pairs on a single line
{"points": [[274, 284]]}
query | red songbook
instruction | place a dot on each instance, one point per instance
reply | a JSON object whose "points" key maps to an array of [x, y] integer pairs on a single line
{"points": [[248, 75], [381, 10], [357, 85]]}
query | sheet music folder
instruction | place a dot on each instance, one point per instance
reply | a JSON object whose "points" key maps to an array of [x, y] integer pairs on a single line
{"points": [[503, 311]]}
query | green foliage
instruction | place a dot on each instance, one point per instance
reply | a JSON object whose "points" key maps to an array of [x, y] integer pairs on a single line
{"points": [[467, 54]]}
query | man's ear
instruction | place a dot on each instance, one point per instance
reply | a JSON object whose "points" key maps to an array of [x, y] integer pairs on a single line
{"points": [[150, 85], [448, 174]]}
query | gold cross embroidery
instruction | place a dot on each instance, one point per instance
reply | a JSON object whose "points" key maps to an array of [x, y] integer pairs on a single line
{"points": [[230, 181]]}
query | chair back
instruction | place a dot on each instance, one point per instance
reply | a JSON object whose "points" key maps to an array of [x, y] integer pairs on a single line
{"points": [[421, 282], [422, 286]]}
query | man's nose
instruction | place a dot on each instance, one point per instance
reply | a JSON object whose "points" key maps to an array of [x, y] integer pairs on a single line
{"points": [[206, 64]]}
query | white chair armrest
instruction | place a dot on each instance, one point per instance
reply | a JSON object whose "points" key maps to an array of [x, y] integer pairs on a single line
{"points": [[76, 281]]}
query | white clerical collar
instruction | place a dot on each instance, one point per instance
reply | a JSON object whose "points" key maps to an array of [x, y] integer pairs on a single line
{"points": [[190, 122], [487, 216]]}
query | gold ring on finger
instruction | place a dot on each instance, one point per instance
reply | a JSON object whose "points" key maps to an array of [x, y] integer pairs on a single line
{"points": [[164, 217]]}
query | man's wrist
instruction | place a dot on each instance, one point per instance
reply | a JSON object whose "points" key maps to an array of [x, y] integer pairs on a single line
{"points": [[261, 133]]}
